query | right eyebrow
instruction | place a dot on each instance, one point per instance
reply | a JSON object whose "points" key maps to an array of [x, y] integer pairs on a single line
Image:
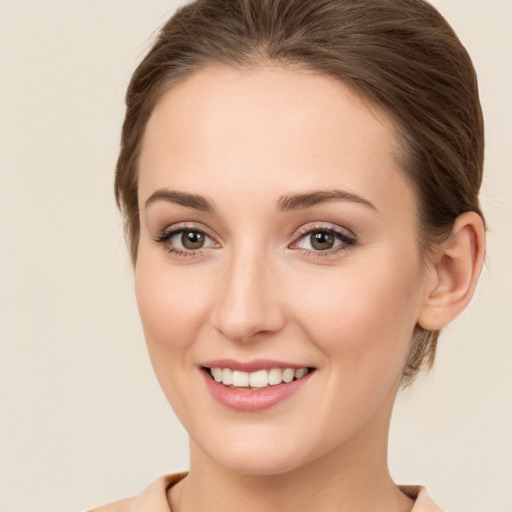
{"points": [[182, 198], [292, 202]]}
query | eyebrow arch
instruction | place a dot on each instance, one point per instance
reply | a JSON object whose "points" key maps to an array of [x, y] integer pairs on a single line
{"points": [[307, 200], [288, 202], [182, 198]]}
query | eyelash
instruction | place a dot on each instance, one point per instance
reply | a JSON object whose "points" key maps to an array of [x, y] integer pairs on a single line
{"points": [[165, 236], [347, 241]]}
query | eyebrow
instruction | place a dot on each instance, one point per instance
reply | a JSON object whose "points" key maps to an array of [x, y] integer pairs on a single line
{"points": [[286, 203], [291, 202], [182, 198]]}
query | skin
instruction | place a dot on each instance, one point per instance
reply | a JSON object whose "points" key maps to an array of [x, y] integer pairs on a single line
{"points": [[244, 140]]}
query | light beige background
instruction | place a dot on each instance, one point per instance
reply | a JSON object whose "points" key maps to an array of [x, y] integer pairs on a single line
{"points": [[82, 419]]}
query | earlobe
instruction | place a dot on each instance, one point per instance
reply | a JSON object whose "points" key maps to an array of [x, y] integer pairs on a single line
{"points": [[454, 273]]}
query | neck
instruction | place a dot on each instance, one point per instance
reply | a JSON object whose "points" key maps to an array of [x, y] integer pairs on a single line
{"points": [[354, 477]]}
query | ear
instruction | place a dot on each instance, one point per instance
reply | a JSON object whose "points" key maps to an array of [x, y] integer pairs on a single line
{"points": [[454, 273]]}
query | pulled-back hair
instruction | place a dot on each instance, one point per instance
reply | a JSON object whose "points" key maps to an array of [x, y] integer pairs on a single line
{"points": [[400, 55]]}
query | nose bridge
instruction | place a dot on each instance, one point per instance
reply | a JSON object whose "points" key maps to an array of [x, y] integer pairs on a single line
{"points": [[248, 302]]}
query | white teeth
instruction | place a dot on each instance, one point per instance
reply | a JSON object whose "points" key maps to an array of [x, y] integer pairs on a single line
{"points": [[275, 376], [240, 379], [300, 373], [288, 374], [227, 376], [258, 379], [217, 374]]}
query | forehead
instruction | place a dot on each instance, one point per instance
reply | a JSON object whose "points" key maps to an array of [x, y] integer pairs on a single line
{"points": [[268, 128]]}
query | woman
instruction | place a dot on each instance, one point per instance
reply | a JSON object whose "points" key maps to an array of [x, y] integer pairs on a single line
{"points": [[300, 183]]}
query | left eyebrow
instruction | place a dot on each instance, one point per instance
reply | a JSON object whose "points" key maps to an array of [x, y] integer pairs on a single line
{"points": [[305, 200], [182, 198]]}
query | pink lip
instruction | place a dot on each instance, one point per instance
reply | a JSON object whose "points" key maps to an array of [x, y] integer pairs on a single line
{"points": [[250, 366], [249, 400]]}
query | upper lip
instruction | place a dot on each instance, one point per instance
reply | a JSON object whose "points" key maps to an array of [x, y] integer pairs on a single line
{"points": [[251, 366]]}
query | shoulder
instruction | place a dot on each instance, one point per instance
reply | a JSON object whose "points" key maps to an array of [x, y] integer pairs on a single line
{"points": [[153, 498], [423, 502]]}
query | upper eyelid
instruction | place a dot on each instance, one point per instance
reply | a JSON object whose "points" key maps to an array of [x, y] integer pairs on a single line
{"points": [[305, 230], [187, 226]]}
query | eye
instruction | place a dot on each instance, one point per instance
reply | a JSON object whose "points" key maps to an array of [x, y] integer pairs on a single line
{"points": [[321, 240], [190, 240], [324, 239], [185, 241]]}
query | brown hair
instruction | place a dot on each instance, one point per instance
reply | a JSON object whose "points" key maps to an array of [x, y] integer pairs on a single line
{"points": [[399, 54]]}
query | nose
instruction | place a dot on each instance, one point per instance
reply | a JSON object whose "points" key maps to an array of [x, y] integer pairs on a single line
{"points": [[249, 306]]}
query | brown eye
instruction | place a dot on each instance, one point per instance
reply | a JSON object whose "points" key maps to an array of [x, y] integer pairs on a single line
{"points": [[322, 240], [185, 241], [192, 240]]}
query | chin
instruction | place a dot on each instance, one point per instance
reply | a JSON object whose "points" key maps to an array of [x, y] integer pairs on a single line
{"points": [[265, 464], [269, 456]]}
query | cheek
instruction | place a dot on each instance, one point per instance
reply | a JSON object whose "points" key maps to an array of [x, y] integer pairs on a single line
{"points": [[363, 320], [171, 303], [363, 314], [172, 307]]}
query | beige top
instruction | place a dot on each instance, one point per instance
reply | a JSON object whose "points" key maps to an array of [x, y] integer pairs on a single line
{"points": [[154, 498]]}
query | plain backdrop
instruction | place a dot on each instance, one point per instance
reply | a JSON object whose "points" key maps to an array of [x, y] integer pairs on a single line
{"points": [[82, 419]]}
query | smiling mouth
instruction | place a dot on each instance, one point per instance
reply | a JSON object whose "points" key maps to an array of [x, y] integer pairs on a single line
{"points": [[259, 379]]}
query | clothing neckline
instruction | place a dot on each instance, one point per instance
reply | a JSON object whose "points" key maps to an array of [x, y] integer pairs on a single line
{"points": [[154, 497]]}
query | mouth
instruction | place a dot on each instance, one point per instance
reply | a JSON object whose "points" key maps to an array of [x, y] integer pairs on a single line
{"points": [[255, 385], [257, 380]]}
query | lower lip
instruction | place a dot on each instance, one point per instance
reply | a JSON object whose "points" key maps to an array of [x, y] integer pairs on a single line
{"points": [[251, 400]]}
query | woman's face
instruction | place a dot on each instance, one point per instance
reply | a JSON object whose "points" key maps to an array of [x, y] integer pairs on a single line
{"points": [[277, 232]]}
